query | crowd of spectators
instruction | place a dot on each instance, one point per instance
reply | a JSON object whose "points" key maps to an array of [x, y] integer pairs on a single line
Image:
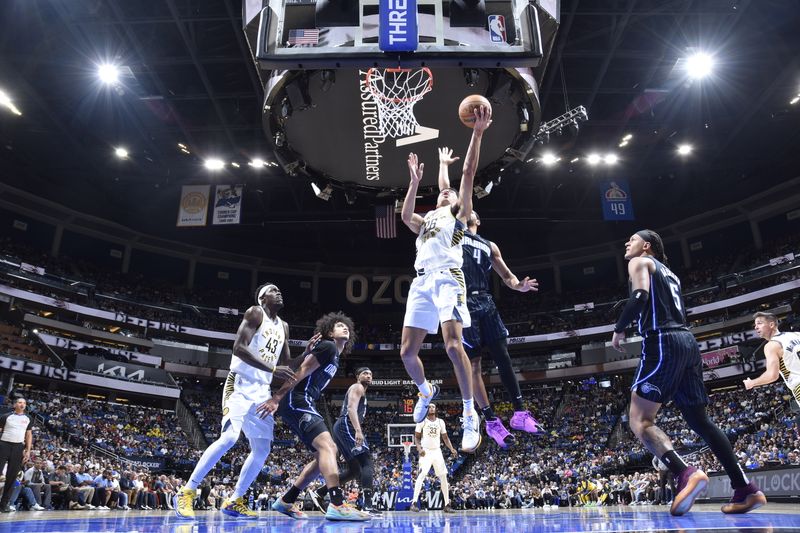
{"points": [[708, 279]]}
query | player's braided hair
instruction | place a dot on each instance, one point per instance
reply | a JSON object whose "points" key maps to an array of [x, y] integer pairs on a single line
{"points": [[656, 244]]}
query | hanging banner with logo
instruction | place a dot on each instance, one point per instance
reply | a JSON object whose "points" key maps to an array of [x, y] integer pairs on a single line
{"points": [[193, 208], [616, 199], [227, 204]]}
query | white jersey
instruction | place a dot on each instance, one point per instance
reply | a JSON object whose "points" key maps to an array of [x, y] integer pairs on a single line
{"points": [[432, 431], [267, 344], [790, 362], [439, 241]]}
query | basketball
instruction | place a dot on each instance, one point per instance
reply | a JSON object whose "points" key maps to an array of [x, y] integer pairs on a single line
{"points": [[467, 106]]}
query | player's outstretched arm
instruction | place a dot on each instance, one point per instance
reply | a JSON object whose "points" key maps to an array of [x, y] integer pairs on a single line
{"points": [[310, 364], [445, 160], [772, 373], [410, 218], [247, 330], [483, 119], [508, 277]]}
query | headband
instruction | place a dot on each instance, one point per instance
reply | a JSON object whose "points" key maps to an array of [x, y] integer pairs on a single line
{"points": [[362, 369], [261, 293]]}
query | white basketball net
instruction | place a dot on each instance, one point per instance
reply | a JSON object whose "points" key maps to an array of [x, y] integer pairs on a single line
{"points": [[407, 448], [395, 91]]}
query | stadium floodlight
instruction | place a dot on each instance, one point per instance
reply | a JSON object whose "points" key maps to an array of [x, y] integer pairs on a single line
{"points": [[322, 194], [5, 101], [121, 152], [685, 149], [257, 162], [214, 164], [610, 159], [108, 73], [549, 159], [234, 164], [794, 100], [574, 159], [593, 159], [699, 65], [623, 144], [627, 137]]}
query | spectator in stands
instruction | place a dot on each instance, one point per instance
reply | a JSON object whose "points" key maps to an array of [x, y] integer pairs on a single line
{"points": [[38, 481]]}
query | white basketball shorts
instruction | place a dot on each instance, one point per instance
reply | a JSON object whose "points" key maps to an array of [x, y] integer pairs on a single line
{"points": [[240, 397], [437, 297]]}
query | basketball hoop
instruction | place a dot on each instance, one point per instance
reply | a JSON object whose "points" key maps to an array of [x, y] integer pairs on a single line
{"points": [[395, 91], [407, 448]]}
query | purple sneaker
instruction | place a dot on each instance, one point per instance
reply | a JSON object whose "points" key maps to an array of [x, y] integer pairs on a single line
{"points": [[496, 430], [745, 499], [524, 421], [688, 485]]}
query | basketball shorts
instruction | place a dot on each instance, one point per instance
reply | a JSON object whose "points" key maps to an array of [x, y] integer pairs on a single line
{"points": [[436, 297], [303, 420], [433, 458], [486, 325], [345, 440], [671, 369], [240, 397]]}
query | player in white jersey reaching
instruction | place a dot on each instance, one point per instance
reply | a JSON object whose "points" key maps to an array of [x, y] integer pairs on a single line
{"points": [[428, 437], [438, 293], [782, 351], [260, 344]]}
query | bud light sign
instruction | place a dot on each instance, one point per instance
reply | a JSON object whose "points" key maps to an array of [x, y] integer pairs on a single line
{"points": [[497, 28], [398, 25]]}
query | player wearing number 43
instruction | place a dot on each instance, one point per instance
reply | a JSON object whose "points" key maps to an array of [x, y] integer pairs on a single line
{"points": [[438, 293], [671, 369], [259, 346]]}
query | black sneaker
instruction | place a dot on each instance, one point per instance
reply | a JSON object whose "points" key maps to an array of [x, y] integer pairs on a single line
{"points": [[5, 509], [415, 507]]}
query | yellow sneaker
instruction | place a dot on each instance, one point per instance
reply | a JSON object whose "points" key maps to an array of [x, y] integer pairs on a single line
{"points": [[183, 502], [238, 508]]}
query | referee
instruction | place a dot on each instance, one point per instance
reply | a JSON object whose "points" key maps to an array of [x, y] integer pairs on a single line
{"points": [[16, 439]]}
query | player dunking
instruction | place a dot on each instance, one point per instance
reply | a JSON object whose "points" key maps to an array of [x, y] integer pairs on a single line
{"points": [[438, 293], [428, 437], [487, 329], [671, 368], [295, 404], [259, 345], [349, 438], [782, 351]]}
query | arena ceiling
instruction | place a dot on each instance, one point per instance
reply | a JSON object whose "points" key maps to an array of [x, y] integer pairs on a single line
{"points": [[187, 77]]}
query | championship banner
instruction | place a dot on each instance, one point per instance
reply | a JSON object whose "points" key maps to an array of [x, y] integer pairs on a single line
{"points": [[193, 208], [616, 200], [227, 204]]}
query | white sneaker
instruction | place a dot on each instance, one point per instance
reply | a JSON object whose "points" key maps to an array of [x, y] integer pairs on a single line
{"points": [[471, 438], [37, 507], [91, 507], [421, 407]]}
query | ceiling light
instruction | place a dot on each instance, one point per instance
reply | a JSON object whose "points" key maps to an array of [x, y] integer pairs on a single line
{"points": [[121, 152], [322, 194], [108, 73], [623, 144], [5, 101], [574, 160], [257, 162], [685, 149], [795, 100], [549, 159], [185, 151], [214, 164], [181, 145], [593, 159], [234, 164], [610, 159], [627, 137], [699, 65]]}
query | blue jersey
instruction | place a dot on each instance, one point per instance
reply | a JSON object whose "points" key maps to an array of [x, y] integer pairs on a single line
{"points": [[477, 265], [361, 410], [665, 310], [309, 389]]}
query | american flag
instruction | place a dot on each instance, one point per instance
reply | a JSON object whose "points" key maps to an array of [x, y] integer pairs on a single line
{"points": [[304, 36], [385, 221]]}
